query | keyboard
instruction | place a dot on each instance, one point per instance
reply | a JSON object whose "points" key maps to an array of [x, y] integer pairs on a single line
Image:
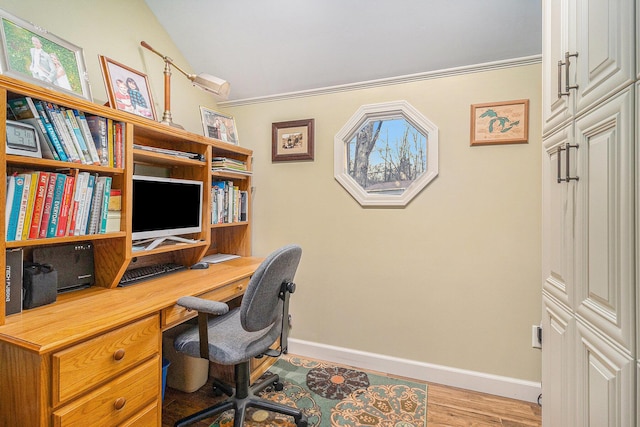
{"points": [[136, 275]]}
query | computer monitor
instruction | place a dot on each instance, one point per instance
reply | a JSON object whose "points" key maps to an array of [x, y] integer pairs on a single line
{"points": [[165, 208]]}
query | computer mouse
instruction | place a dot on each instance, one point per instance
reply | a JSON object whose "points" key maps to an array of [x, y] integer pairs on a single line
{"points": [[200, 265]]}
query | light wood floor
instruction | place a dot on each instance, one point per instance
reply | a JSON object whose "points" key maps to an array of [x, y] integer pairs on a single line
{"points": [[446, 407]]}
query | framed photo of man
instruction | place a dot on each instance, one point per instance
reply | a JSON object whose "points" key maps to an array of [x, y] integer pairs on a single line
{"points": [[36, 56]]}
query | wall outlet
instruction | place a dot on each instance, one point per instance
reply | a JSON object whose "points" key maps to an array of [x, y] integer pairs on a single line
{"points": [[536, 336]]}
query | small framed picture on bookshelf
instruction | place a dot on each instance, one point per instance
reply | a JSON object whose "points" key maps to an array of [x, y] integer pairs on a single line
{"points": [[128, 89], [219, 126], [34, 55], [292, 140]]}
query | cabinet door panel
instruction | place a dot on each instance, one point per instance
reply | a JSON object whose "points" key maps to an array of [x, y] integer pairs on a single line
{"points": [[605, 37], [604, 259], [605, 382], [558, 219], [555, 42], [557, 364]]}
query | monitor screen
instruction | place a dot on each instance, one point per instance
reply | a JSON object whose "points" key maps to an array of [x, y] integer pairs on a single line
{"points": [[164, 207]]}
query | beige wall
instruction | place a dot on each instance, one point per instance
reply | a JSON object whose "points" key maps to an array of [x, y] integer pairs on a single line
{"points": [[453, 278], [115, 28]]}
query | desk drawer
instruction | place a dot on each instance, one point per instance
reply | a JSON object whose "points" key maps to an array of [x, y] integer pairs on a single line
{"points": [[88, 364], [115, 402], [176, 314]]}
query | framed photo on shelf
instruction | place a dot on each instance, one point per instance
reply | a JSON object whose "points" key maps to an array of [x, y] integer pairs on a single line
{"points": [[500, 123], [36, 56], [128, 89], [292, 140], [219, 126]]}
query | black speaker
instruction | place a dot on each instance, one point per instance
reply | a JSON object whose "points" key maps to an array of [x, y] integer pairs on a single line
{"points": [[73, 262]]}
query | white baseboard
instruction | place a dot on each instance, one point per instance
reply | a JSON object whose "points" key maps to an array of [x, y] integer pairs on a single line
{"points": [[470, 380]]}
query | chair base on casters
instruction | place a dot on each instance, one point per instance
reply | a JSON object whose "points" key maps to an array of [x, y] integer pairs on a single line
{"points": [[244, 397]]}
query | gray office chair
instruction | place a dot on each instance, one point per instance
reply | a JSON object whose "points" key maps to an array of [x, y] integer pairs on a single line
{"points": [[236, 336]]}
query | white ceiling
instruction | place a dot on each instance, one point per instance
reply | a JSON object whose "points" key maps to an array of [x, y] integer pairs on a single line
{"points": [[272, 47]]}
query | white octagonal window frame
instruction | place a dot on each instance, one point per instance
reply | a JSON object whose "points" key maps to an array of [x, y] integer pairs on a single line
{"points": [[385, 111]]}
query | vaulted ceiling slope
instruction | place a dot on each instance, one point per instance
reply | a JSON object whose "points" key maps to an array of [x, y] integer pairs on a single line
{"points": [[272, 47]]}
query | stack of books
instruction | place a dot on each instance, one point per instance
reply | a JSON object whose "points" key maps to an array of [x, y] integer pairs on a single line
{"points": [[228, 203], [230, 165], [70, 135], [49, 204]]}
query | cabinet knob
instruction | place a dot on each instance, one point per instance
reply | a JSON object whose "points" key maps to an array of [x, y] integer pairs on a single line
{"points": [[119, 403], [119, 354]]}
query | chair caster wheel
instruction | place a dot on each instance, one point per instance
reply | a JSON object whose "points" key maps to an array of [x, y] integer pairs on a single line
{"points": [[278, 386], [302, 423]]}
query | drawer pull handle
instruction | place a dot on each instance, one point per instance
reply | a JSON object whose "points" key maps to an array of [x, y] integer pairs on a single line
{"points": [[119, 403], [119, 354]]}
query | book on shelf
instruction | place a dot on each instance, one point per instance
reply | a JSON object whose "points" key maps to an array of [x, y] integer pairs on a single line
{"points": [[10, 193], [82, 180], [105, 204], [222, 164], [46, 209], [86, 134], [13, 281], [38, 204], [110, 139], [76, 134], [24, 201], [61, 130], [85, 209], [118, 147], [65, 206], [95, 216], [244, 203], [98, 128], [50, 130], [17, 182], [56, 203], [26, 227]]}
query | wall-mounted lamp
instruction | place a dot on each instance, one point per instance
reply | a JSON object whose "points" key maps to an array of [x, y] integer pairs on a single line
{"points": [[206, 82]]}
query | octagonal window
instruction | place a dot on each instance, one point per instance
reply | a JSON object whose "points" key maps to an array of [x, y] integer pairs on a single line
{"points": [[386, 154]]}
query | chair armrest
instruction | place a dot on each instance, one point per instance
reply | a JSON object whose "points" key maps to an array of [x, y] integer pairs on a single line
{"points": [[204, 306]]}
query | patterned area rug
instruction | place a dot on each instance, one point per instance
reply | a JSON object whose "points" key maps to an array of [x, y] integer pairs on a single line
{"points": [[332, 395]]}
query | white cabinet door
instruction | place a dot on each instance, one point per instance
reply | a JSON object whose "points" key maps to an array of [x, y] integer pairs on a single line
{"points": [[605, 267], [558, 231], [556, 21], [558, 369], [605, 386], [605, 45]]}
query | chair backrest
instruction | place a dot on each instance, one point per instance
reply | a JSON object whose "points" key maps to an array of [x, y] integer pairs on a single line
{"points": [[261, 305]]}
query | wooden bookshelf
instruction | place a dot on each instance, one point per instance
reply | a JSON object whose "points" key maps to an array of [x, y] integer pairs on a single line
{"points": [[113, 251], [40, 348]]}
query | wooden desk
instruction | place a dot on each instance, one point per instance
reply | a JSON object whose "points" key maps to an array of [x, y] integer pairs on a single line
{"points": [[95, 354]]}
